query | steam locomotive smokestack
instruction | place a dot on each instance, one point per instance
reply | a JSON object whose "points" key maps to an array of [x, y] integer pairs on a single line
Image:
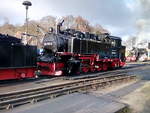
{"points": [[59, 26]]}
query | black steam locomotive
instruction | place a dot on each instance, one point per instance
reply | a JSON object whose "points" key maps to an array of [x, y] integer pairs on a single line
{"points": [[16, 60], [67, 48]]}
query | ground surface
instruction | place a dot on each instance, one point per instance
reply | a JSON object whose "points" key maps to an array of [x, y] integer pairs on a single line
{"points": [[73, 103], [139, 100]]}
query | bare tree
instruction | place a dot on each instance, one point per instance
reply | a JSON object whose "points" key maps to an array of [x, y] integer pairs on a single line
{"points": [[47, 22], [35, 38], [82, 24], [98, 29], [69, 21], [130, 43], [8, 29]]}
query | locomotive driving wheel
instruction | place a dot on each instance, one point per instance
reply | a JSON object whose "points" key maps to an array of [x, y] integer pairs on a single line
{"points": [[93, 69], [99, 67], [73, 66], [105, 67], [85, 69]]}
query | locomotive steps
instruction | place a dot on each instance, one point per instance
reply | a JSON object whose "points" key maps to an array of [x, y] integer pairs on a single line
{"points": [[14, 99]]}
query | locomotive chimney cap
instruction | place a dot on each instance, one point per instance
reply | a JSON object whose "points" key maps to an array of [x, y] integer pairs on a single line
{"points": [[27, 3]]}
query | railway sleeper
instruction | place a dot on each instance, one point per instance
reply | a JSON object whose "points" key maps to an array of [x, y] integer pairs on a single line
{"points": [[12, 105], [33, 101]]}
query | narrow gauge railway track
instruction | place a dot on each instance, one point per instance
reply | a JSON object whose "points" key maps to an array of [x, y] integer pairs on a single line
{"points": [[26, 92], [8, 83], [10, 100], [91, 75], [102, 74]]}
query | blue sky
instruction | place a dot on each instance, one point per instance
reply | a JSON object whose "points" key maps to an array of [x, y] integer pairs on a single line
{"points": [[118, 16]]}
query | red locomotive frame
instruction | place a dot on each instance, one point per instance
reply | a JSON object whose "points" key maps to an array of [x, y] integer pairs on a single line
{"points": [[17, 73], [89, 63]]}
